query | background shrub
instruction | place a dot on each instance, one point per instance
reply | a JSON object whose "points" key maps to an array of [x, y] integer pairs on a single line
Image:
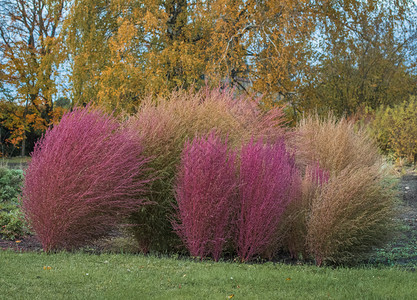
{"points": [[396, 130], [12, 222], [268, 183], [164, 127], [83, 179], [10, 184], [206, 194]]}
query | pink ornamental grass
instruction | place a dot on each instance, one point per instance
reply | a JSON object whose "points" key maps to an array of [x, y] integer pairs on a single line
{"points": [[267, 177], [84, 179], [206, 195]]}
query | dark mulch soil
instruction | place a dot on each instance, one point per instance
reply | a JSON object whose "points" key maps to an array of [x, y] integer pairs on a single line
{"points": [[408, 186], [28, 243], [402, 251]]}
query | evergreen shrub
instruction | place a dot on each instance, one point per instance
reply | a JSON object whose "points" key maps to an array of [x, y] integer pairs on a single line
{"points": [[10, 184]]}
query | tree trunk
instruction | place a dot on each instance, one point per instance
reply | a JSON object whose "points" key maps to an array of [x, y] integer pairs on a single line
{"points": [[23, 150]]}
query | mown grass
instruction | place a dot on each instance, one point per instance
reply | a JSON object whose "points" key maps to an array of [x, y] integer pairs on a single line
{"points": [[17, 160], [125, 276], [14, 162]]}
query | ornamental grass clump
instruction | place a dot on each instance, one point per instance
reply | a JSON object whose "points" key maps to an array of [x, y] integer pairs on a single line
{"points": [[268, 181], [334, 144], [352, 214], [166, 124], [294, 225], [85, 178], [206, 194], [353, 211]]}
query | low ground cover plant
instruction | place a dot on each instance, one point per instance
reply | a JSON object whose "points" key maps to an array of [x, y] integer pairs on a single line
{"points": [[83, 180], [12, 222]]}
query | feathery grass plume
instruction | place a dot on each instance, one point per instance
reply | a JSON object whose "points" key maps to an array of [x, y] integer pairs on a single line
{"points": [[352, 213], [295, 219], [267, 185], [164, 127], [206, 194], [83, 180], [334, 144]]}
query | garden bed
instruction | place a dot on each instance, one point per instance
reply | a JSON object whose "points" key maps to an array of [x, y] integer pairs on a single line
{"points": [[402, 251]]}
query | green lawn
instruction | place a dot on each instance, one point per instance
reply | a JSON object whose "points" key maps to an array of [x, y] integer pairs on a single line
{"points": [[125, 276], [18, 159], [14, 162]]}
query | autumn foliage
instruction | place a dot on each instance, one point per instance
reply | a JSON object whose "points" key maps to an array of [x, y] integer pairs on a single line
{"points": [[83, 180], [396, 130], [322, 55], [206, 194]]}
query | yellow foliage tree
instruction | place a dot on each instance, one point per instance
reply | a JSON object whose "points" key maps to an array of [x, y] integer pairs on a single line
{"points": [[30, 47], [366, 58], [124, 50]]}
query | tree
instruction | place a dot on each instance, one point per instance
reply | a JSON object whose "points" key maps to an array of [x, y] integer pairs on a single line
{"points": [[365, 58], [30, 49], [123, 50], [325, 54]]}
